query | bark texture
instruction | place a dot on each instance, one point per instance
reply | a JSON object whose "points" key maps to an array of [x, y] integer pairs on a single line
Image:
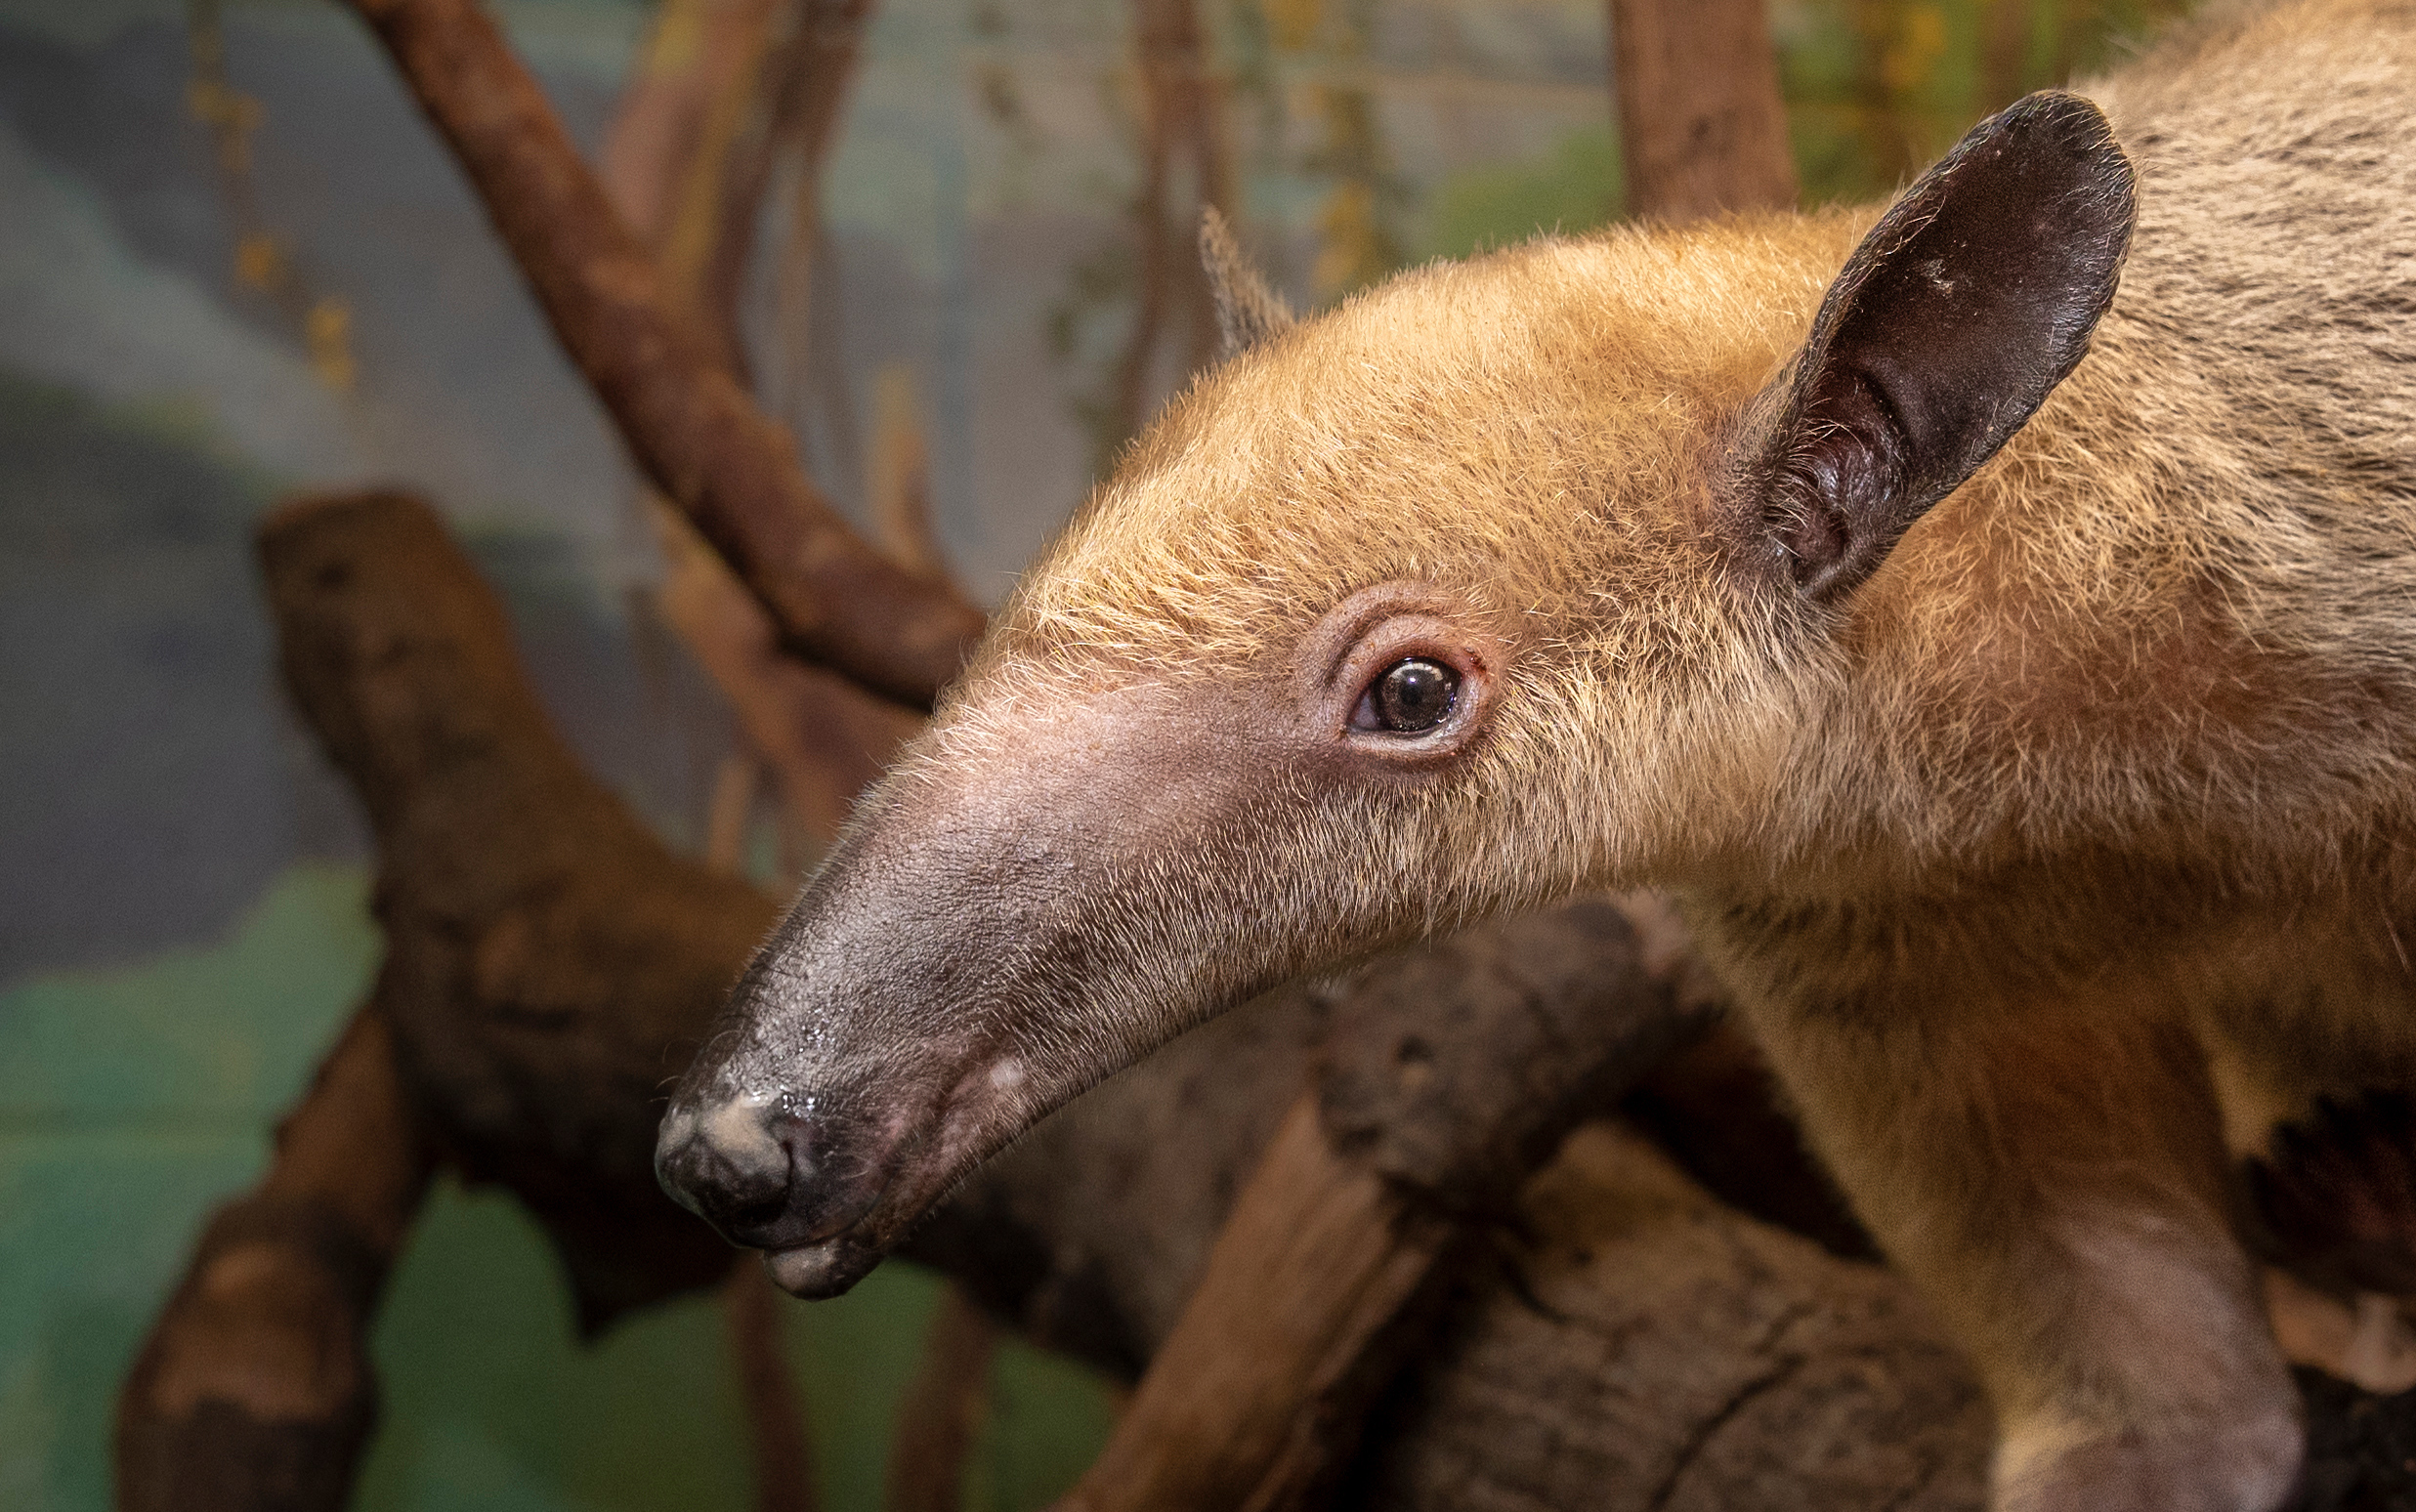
{"points": [[1701, 129], [1444, 1075], [254, 1388], [1640, 1346], [731, 470], [549, 963]]}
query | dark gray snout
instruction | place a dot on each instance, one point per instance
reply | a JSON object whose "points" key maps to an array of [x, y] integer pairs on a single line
{"points": [[802, 1120], [986, 942]]}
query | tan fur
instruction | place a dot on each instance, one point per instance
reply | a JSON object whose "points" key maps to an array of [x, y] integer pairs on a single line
{"points": [[2095, 799], [2076, 841]]}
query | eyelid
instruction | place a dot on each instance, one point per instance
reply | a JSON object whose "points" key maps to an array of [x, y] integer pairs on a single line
{"points": [[1370, 633], [1376, 607], [1363, 715]]}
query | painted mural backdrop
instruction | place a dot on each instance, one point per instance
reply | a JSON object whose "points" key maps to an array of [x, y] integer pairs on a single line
{"points": [[233, 263]]}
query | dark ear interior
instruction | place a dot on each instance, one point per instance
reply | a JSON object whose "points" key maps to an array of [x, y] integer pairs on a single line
{"points": [[1248, 311], [1966, 304]]}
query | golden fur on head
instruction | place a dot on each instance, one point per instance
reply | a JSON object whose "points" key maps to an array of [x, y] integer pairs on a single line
{"points": [[1505, 425], [2194, 554], [1542, 459]]}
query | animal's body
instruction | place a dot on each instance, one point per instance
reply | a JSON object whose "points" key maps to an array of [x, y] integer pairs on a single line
{"points": [[2054, 820]]}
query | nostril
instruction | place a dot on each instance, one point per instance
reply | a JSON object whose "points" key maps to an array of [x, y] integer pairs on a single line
{"points": [[758, 1215], [764, 1177], [722, 1163]]}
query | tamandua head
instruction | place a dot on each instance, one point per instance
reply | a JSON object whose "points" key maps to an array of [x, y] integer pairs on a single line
{"points": [[1507, 580]]}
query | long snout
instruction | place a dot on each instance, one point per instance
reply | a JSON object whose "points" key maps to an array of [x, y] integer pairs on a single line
{"points": [[1041, 896], [992, 937], [842, 1062]]}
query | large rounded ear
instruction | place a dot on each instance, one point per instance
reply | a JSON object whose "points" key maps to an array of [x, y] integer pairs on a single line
{"points": [[1969, 302], [1248, 311]]}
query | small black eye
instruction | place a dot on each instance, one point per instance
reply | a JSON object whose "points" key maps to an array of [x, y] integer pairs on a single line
{"points": [[1414, 696]]}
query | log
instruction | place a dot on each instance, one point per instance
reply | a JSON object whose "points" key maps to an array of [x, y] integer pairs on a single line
{"points": [[1441, 1076], [731, 470], [1271, 1363], [1640, 1346], [1431, 1104]]}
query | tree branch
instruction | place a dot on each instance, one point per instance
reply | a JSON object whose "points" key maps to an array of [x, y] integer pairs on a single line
{"points": [[1701, 124], [550, 964], [727, 467], [254, 1388], [687, 113], [803, 86], [1450, 1071], [784, 1476], [942, 1410]]}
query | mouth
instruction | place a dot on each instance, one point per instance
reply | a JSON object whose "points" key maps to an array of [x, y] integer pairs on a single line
{"points": [[824, 1269], [827, 1260], [924, 1160]]}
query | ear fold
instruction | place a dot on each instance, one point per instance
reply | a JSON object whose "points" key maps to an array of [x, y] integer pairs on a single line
{"points": [[1966, 304], [1248, 312]]}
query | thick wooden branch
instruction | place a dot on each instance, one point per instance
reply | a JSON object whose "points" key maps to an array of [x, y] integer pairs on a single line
{"points": [[1635, 1346], [550, 964], [1616, 1339], [729, 467], [1449, 1073], [1702, 128], [1316, 1264], [254, 1388]]}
